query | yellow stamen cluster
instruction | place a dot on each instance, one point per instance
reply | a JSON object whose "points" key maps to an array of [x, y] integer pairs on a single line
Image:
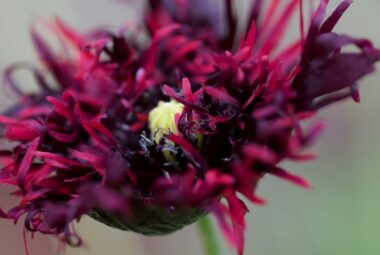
{"points": [[162, 119]]}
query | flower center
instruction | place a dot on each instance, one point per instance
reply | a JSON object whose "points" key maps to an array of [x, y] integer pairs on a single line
{"points": [[162, 119]]}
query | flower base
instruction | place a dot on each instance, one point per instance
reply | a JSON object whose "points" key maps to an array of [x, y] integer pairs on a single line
{"points": [[150, 220]]}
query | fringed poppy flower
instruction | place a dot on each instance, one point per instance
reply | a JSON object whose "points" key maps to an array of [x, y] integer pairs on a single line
{"points": [[151, 136]]}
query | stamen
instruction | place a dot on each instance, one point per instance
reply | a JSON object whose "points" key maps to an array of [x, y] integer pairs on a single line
{"points": [[162, 119]]}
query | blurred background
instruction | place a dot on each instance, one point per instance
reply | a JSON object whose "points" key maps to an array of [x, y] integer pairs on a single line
{"points": [[339, 216]]}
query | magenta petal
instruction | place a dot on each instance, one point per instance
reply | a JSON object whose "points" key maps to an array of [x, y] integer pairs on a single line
{"points": [[281, 173], [26, 162]]}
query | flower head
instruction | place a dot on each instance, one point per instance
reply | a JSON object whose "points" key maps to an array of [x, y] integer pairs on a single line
{"points": [[151, 137]]}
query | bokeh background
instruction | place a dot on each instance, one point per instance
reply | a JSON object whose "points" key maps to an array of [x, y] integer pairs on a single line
{"points": [[339, 216]]}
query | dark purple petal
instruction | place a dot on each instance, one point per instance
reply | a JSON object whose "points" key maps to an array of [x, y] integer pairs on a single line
{"points": [[333, 19]]}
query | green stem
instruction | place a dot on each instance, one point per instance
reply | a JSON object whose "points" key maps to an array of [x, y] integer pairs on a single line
{"points": [[210, 237]]}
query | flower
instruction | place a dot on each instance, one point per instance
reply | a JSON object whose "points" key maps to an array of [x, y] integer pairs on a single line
{"points": [[149, 137]]}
